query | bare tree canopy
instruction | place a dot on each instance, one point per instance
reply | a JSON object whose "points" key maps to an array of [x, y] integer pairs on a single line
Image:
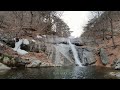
{"points": [[40, 21], [103, 24]]}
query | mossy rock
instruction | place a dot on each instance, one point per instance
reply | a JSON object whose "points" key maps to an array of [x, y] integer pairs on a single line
{"points": [[13, 61], [9, 61], [0, 57], [6, 60], [10, 57]]}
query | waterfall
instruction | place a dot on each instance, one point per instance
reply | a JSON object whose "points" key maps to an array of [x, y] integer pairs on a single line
{"points": [[75, 54], [17, 47]]}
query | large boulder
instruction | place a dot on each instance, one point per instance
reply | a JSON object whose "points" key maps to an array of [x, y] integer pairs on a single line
{"points": [[7, 60], [104, 56], [88, 58], [86, 55], [4, 67]]}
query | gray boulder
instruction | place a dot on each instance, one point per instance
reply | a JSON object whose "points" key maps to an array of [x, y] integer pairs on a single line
{"points": [[4, 67], [86, 56], [104, 56], [116, 74]]}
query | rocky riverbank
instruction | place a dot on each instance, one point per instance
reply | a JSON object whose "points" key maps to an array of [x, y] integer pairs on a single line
{"points": [[35, 56], [106, 54]]}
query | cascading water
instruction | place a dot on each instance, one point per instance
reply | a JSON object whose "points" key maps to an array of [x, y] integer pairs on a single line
{"points": [[75, 54], [17, 47]]}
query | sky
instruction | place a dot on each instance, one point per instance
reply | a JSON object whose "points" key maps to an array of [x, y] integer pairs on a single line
{"points": [[76, 20]]}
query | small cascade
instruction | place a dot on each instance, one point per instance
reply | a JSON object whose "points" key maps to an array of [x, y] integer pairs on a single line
{"points": [[18, 45], [75, 54]]}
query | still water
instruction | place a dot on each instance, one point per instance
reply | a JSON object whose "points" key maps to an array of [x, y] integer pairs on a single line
{"points": [[72, 72]]}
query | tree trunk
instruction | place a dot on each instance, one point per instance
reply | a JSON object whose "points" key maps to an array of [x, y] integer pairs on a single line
{"points": [[103, 34], [111, 24], [31, 18]]}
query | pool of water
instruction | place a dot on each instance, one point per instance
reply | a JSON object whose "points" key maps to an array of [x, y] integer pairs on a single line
{"points": [[72, 72]]}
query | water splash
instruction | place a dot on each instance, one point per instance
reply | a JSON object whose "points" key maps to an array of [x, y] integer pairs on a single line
{"points": [[75, 54]]}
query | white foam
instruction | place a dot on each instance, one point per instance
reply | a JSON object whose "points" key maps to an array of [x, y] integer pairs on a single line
{"points": [[17, 47], [21, 52]]}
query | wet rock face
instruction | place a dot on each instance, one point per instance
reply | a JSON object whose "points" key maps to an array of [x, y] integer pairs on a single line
{"points": [[104, 56], [86, 56]]}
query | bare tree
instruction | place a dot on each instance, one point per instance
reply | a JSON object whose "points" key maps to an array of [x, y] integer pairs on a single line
{"points": [[109, 14], [1, 21], [19, 17], [31, 12]]}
